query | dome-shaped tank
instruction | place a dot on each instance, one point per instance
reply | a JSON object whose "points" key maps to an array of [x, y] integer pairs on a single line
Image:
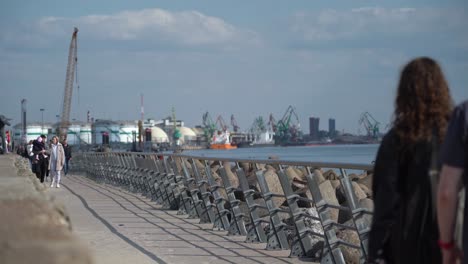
{"points": [[187, 135], [158, 135], [198, 131]]}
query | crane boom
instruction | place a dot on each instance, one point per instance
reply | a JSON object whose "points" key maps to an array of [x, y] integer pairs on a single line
{"points": [[69, 78]]}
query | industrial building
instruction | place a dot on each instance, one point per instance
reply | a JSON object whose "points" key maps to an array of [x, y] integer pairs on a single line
{"points": [[314, 128]]}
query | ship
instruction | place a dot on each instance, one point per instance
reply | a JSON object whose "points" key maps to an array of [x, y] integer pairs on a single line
{"points": [[263, 139], [222, 140]]}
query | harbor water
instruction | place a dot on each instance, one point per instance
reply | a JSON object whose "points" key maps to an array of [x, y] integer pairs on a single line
{"points": [[359, 154]]}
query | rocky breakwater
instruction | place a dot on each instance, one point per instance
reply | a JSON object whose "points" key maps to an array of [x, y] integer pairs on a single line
{"points": [[33, 227], [331, 191]]}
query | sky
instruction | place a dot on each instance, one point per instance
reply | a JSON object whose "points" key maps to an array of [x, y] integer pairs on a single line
{"points": [[328, 59]]}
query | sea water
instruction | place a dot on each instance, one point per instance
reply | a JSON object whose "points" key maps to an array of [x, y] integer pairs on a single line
{"points": [[357, 154]]}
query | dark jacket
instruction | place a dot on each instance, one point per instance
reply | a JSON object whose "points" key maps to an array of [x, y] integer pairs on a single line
{"points": [[68, 151], [404, 228], [38, 147]]}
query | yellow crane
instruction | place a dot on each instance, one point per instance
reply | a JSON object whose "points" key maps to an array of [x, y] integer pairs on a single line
{"points": [[69, 79]]}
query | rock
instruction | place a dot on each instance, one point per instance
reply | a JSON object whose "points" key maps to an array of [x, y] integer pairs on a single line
{"points": [[275, 186], [356, 177], [351, 255], [360, 194], [245, 166], [318, 174], [366, 190], [368, 204], [330, 175], [291, 173], [301, 173], [335, 183], [328, 194], [314, 225], [366, 181], [231, 176]]}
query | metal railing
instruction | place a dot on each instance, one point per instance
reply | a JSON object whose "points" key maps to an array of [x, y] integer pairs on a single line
{"points": [[287, 205]]}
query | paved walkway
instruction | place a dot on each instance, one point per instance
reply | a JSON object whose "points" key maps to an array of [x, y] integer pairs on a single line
{"points": [[122, 227]]}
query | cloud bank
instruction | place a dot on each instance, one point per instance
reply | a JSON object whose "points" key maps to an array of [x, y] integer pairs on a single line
{"points": [[156, 26]]}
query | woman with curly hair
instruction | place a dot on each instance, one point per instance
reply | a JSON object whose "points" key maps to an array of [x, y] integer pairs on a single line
{"points": [[404, 226]]}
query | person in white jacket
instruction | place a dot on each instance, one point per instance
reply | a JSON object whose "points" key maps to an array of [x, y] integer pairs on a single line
{"points": [[57, 161]]}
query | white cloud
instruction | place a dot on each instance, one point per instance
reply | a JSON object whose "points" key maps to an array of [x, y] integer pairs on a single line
{"points": [[333, 24], [186, 28]]}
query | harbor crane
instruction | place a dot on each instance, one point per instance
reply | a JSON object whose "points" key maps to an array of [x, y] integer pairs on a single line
{"points": [[221, 123], [289, 128], [209, 127], [234, 125], [258, 126], [272, 123], [69, 79], [370, 124]]}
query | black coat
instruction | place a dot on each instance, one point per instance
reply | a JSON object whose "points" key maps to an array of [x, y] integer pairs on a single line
{"points": [[404, 228], [68, 151]]}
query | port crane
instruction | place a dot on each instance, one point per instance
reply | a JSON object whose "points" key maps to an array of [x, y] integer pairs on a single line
{"points": [[234, 125], [258, 126], [221, 123], [272, 123], [209, 127], [370, 124], [288, 128], [69, 79]]}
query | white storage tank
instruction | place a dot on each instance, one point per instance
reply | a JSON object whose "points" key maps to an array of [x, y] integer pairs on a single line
{"points": [[199, 131], [127, 128], [86, 134], [187, 135], [33, 131], [158, 135], [101, 127], [73, 133]]}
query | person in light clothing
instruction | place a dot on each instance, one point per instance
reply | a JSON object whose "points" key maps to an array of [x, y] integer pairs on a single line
{"points": [[57, 161]]}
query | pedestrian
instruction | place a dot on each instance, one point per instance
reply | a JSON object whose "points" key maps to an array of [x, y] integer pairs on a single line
{"points": [[39, 158], [47, 158], [404, 225], [68, 155], [454, 158], [57, 161]]}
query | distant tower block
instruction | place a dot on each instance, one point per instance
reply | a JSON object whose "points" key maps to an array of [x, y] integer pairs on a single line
{"points": [[331, 127], [314, 127]]}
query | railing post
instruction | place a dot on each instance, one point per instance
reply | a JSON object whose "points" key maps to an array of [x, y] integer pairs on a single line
{"points": [[196, 206], [362, 226], [255, 232], [207, 214], [277, 237], [302, 245], [221, 221], [332, 253]]}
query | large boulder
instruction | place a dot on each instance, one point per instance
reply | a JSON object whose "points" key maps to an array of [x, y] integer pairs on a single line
{"points": [[351, 255], [274, 185], [330, 175], [318, 174], [328, 194]]}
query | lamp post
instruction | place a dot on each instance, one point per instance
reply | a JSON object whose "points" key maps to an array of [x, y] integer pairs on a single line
{"points": [[42, 125]]}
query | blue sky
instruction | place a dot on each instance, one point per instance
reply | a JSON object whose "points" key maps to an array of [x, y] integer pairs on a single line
{"points": [[247, 58]]}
